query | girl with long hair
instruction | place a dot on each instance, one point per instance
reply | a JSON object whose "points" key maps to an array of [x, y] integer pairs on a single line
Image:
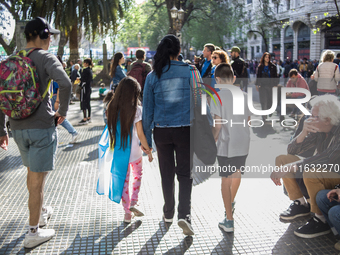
{"points": [[265, 81], [166, 111], [86, 90], [116, 70], [124, 121]]}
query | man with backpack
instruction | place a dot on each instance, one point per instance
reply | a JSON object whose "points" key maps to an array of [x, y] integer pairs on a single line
{"points": [[35, 133], [139, 68]]}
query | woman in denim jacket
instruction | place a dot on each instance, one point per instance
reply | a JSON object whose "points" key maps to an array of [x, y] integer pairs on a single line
{"points": [[166, 110], [116, 70]]}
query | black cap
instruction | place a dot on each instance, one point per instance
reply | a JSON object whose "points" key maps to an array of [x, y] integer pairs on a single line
{"points": [[34, 27]]}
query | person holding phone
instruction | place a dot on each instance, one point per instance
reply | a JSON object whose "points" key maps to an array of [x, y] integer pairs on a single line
{"points": [[329, 203]]}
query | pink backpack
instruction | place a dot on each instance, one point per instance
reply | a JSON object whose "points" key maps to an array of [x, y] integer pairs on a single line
{"points": [[19, 86]]}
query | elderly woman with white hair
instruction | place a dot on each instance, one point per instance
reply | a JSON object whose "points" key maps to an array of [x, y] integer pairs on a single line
{"points": [[320, 171], [327, 74]]}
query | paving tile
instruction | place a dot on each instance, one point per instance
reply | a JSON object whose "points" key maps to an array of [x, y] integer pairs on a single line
{"points": [[87, 223]]}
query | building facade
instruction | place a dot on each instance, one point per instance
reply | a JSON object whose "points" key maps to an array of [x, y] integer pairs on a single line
{"points": [[300, 30]]}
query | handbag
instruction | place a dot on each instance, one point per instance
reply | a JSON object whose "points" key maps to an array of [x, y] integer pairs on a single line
{"points": [[202, 141]]}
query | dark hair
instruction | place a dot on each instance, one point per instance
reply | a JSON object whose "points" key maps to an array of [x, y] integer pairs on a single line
{"points": [[262, 58], [338, 55], [224, 71], [123, 106], [140, 53], [210, 47], [89, 62], [115, 63], [108, 97], [168, 47], [292, 72], [222, 55]]}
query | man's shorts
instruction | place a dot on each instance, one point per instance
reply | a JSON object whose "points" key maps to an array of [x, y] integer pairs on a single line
{"points": [[37, 148], [230, 165]]}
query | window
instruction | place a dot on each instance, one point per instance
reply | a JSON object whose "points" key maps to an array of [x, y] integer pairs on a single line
{"points": [[288, 4], [249, 1], [304, 31], [257, 49], [255, 37], [289, 32]]}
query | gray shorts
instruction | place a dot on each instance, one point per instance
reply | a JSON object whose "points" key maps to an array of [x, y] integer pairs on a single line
{"points": [[37, 148]]}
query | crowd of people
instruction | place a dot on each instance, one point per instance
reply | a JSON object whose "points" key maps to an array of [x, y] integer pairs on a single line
{"points": [[158, 103]]}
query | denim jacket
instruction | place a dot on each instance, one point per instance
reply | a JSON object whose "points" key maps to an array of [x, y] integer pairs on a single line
{"points": [[119, 75], [167, 101]]}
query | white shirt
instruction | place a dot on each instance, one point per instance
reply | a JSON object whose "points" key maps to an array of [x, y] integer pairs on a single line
{"points": [[234, 138], [136, 151]]}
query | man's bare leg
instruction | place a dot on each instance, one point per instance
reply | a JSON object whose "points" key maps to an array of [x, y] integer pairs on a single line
{"points": [[35, 186]]}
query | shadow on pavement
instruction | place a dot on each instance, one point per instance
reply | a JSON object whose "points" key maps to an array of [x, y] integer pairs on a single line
{"points": [[182, 247], [90, 141], [226, 245], [296, 245], [151, 245], [93, 155], [13, 248], [97, 241]]}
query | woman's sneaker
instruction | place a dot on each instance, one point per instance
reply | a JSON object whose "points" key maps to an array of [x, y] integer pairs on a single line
{"points": [[227, 225], [83, 122], [185, 224], [46, 213], [41, 236], [136, 211]]}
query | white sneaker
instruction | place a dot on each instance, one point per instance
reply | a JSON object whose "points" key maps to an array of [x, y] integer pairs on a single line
{"points": [[136, 210], [46, 213], [185, 224], [74, 138], [42, 236]]}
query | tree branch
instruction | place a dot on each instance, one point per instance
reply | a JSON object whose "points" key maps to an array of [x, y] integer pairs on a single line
{"points": [[12, 11]]}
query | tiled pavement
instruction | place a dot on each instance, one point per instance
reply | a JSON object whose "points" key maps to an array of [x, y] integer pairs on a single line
{"points": [[87, 223]]}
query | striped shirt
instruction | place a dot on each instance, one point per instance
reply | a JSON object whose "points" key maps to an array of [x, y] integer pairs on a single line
{"points": [[327, 150]]}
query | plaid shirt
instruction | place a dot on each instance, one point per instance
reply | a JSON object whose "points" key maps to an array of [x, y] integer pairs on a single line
{"points": [[327, 150]]}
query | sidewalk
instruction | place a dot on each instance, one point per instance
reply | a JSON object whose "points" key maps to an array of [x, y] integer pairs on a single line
{"points": [[87, 223]]}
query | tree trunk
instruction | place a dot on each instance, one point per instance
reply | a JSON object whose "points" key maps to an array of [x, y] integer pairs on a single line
{"points": [[9, 48], [62, 42], [74, 54]]}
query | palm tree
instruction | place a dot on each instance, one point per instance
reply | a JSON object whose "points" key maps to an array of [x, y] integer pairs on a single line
{"points": [[70, 16]]}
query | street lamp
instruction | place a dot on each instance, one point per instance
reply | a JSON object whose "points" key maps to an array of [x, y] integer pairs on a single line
{"points": [[174, 12], [139, 39]]}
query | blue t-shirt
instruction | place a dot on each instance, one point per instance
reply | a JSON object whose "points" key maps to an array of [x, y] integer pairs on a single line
{"points": [[267, 71], [55, 87], [205, 67]]}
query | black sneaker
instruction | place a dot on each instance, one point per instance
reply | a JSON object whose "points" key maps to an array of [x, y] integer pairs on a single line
{"points": [[185, 224], [313, 228], [83, 122], [296, 209]]}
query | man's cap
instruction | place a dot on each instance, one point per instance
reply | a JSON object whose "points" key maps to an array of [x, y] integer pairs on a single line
{"points": [[34, 27], [235, 49]]}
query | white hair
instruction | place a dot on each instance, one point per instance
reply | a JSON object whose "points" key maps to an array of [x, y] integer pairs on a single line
{"points": [[77, 65], [329, 107]]}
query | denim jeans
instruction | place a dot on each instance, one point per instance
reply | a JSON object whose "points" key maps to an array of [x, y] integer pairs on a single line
{"points": [[66, 124], [331, 210]]}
